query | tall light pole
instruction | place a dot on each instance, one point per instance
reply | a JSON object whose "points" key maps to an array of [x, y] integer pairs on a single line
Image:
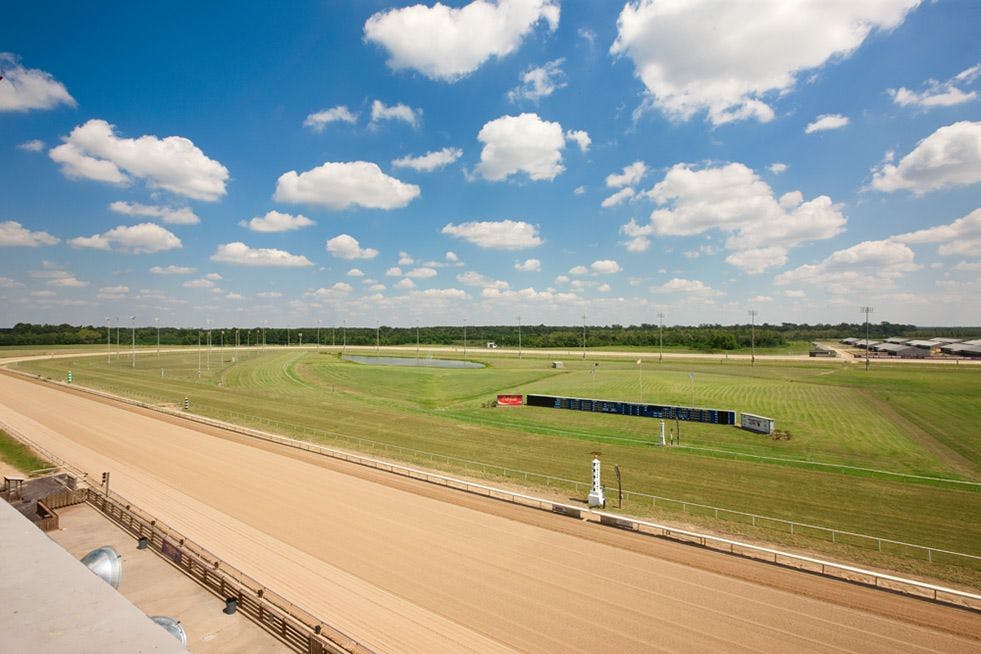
{"points": [[519, 337], [157, 320], [464, 337], [752, 315], [584, 335], [208, 321], [108, 342], [118, 351], [660, 331], [866, 311], [417, 338], [199, 352], [344, 334], [133, 350]]}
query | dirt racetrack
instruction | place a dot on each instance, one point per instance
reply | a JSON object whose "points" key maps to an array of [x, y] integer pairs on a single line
{"points": [[406, 567]]}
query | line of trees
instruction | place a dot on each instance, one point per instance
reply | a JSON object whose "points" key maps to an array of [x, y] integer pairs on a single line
{"points": [[701, 337]]}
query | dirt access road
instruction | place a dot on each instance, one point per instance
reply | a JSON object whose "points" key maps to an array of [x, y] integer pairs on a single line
{"points": [[404, 566]]}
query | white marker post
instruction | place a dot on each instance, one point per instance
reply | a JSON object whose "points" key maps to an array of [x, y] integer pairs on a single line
{"points": [[596, 494]]}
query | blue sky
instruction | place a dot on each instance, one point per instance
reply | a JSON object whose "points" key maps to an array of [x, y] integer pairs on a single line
{"points": [[380, 162]]}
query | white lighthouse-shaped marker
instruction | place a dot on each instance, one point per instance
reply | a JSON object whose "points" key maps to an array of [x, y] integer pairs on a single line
{"points": [[596, 493]]}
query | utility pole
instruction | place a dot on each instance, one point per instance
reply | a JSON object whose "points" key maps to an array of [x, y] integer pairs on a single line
{"points": [[417, 338], [464, 338], [157, 320], [866, 311], [519, 337], [660, 329], [108, 342], [344, 334], [199, 352], [752, 315]]}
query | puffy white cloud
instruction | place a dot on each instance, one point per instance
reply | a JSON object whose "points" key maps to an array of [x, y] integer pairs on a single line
{"points": [[198, 283], [213, 277], [604, 267], [972, 266], [430, 161], [421, 273], [7, 282], [13, 234], [961, 237], [620, 196], [275, 221], [345, 246], [631, 175], [528, 265], [441, 294], [578, 270], [337, 290], [539, 82], [339, 185], [34, 145], [686, 286], [826, 122], [68, 281], [355, 272], [867, 265], [171, 215], [733, 199], [405, 259], [241, 254], [472, 278], [794, 293], [269, 294], [939, 94], [527, 295], [144, 238], [43, 294], [951, 156], [171, 270], [234, 296], [405, 283], [175, 164], [405, 113], [516, 144], [451, 257], [317, 121], [777, 168], [579, 190], [23, 89], [394, 271], [580, 137], [766, 45], [761, 298], [446, 44], [496, 235]]}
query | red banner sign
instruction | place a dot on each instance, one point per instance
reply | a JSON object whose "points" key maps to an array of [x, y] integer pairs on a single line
{"points": [[510, 400]]}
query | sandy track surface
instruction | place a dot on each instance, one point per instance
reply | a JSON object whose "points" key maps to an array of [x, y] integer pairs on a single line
{"points": [[406, 567]]}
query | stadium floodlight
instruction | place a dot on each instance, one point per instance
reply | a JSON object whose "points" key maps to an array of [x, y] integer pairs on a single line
{"points": [[866, 311], [660, 331], [752, 314]]}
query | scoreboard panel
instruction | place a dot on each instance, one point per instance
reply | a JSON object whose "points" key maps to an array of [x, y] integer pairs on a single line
{"points": [[665, 412]]}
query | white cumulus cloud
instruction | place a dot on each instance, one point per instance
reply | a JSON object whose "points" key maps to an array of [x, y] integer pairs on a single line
{"points": [[447, 44], [23, 89], [345, 246], [826, 122], [525, 143], [473, 278], [340, 185], [867, 265], [241, 254], [170, 215], [94, 151], [939, 94], [171, 270], [604, 267], [275, 221], [144, 238], [496, 235], [430, 161], [951, 156], [580, 138], [320, 119], [733, 199], [729, 58], [539, 82], [380, 111], [686, 286], [422, 272], [13, 234], [961, 237], [528, 265], [619, 197], [34, 145], [777, 168], [631, 175]]}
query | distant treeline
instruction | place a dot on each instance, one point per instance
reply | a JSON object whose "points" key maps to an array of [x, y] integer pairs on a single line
{"points": [[702, 337]]}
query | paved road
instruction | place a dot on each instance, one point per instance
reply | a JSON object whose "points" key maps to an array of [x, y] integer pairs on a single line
{"points": [[408, 567]]}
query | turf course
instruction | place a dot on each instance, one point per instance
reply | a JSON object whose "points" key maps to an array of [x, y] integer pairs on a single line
{"points": [[914, 420]]}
